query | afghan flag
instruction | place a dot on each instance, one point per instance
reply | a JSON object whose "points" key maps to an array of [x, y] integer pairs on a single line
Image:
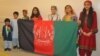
{"points": [[55, 38]]}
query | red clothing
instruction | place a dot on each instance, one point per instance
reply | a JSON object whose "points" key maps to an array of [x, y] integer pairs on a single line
{"points": [[88, 42], [37, 18], [83, 52]]}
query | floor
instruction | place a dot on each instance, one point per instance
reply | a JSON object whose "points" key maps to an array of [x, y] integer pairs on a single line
{"points": [[17, 52]]}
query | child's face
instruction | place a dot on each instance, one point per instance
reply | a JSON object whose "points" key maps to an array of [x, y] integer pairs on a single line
{"points": [[68, 9], [87, 5], [7, 23], [24, 14], [35, 11], [15, 16], [53, 10]]}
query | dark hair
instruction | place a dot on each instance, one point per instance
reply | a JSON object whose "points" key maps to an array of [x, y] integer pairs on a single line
{"points": [[54, 7], [25, 11], [35, 15], [90, 17], [15, 13], [7, 20]]}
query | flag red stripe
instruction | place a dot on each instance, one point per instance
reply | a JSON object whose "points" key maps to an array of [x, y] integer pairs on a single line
{"points": [[43, 37]]}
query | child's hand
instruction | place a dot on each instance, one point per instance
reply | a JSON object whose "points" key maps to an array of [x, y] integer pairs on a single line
{"points": [[8, 28], [84, 33], [89, 34]]}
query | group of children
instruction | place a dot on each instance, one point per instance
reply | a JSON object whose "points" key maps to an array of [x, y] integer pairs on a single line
{"points": [[87, 26], [10, 33]]}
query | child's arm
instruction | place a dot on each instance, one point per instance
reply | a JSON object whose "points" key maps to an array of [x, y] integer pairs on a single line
{"points": [[11, 29], [3, 34]]}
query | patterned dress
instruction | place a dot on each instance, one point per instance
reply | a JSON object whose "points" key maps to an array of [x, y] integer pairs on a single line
{"points": [[88, 42]]}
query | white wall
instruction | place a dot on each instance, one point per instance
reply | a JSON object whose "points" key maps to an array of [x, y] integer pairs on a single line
{"points": [[97, 8], [8, 6]]}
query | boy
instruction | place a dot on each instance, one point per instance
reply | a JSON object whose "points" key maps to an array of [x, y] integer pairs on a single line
{"points": [[25, 15], [7, 34], [54, 15], [15, 30]]}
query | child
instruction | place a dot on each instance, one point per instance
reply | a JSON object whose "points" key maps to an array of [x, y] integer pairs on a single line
{"points": [[36, 14], [88, 30], [54, 16], [15, 30], [7, 34], [25, 15], [69, 14]]}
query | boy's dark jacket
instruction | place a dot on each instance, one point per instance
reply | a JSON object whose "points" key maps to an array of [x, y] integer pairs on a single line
{"points": [[5, 37]]}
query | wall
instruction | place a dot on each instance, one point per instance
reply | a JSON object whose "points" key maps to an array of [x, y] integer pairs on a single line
{"points": [[8, 6]]}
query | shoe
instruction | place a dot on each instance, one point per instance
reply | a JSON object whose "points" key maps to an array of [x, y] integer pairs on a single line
{"points": [[5, 49], [14, 47], [9, 49], [18, 47]]}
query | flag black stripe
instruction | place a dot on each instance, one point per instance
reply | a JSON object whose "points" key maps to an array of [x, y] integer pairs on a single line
{"points": [[26, 36]]}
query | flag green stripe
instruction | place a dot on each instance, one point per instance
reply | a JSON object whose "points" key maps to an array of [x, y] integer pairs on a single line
{"points": [[65, 38]]}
